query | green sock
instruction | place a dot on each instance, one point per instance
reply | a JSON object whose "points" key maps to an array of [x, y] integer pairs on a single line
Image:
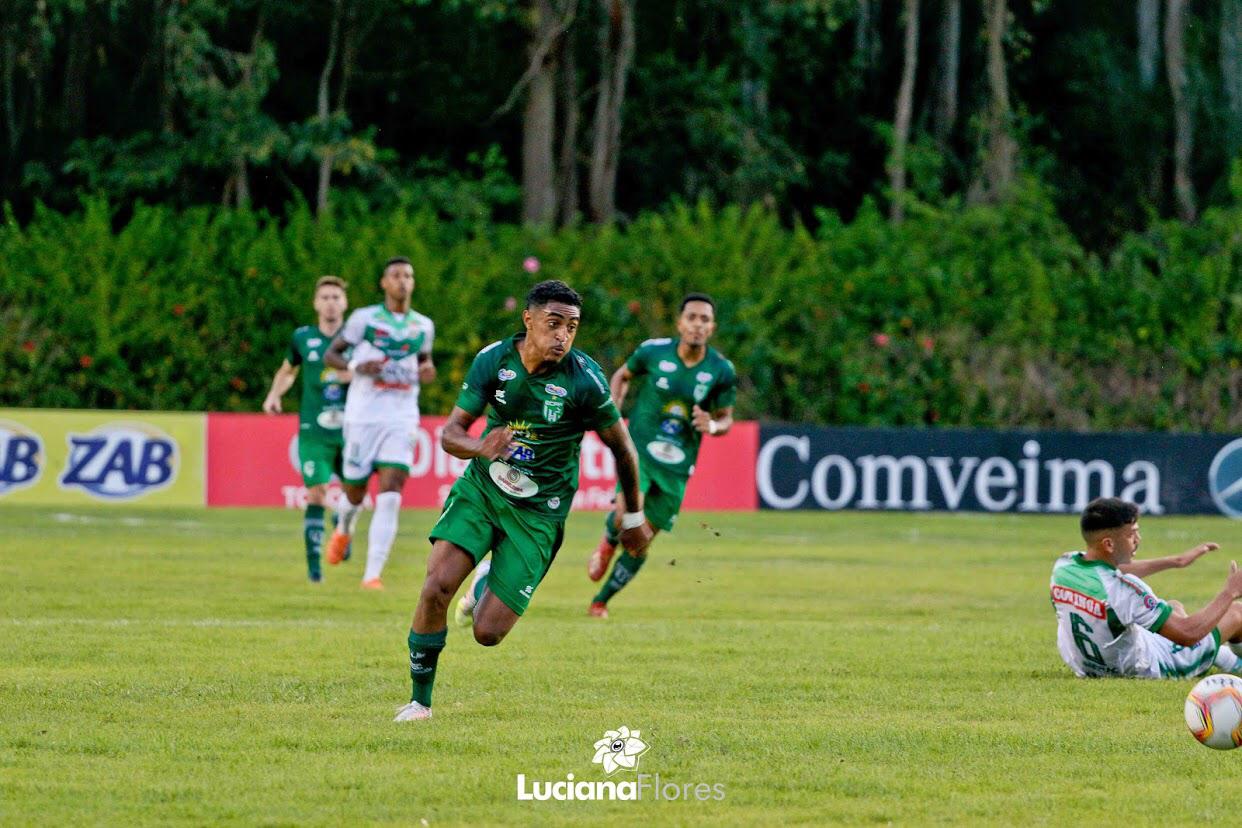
{"points": [[312, 533], [623, 571], [610, 529], [424, 653], [478, 590]]}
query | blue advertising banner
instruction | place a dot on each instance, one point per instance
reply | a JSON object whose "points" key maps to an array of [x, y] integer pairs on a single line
{"points": [[995, 471]]}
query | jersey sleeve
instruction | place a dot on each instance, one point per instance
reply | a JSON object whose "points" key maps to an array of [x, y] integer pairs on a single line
{"points": [[1135, 603], [598, 411], [429, 329], [355, 328], [724, 394], [477, 387], [294, 356], [637, 363]]}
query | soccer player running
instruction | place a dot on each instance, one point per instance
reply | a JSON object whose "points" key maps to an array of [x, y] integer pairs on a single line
{"points": [[391, 358], [687, 391], [1110, 623], [514, 496], [320, 413]]}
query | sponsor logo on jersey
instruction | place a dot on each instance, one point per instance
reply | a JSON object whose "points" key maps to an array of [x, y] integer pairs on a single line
{"points": [[671, 427], [554, 503], [500, 396], [667, 366], [504, 375], [313, 356], [552, 410], [512, 481], [521, 453], [662, 382], [666, 452], [1075, 599], [464, 386], [331, 418], [700, 392], [555, 390], [703, 376], [314, 342], [332, 393], [1150, 601], [21, 456], [120, 461]]}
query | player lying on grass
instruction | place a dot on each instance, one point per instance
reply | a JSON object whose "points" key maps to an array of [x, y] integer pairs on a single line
{"points": [[687, 391], [320, 445], [391, 359], [1110, 623], [514, 496]]}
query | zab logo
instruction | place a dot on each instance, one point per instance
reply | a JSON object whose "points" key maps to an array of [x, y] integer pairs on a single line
{"points": [[21, 457], [120, 461]]}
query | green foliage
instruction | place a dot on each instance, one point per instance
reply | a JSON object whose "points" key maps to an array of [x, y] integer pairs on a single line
{"points": [[974, 316]]}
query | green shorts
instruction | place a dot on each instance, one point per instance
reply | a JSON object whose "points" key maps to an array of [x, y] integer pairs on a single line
{"points": [[662, 497], [522, 542], [319, 459]]}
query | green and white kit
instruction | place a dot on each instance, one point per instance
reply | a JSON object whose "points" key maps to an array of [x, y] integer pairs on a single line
{"points": [[322, 408]]}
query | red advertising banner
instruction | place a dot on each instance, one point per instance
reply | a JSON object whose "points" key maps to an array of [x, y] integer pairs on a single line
{"points": [[252, 461]]}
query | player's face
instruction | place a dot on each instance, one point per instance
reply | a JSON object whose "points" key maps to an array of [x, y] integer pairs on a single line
{"points": [[696, 324], [330, 303], [1126, 543], [398, 282], [551, 329]]}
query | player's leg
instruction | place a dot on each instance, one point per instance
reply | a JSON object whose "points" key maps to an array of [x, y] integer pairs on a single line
{"points": [[661, 503], [463, 614], [597, 564], [1229, 658], [521, 557], [392, 462], [459, 540], [314, 457], [361, 445], [1169, 660]]}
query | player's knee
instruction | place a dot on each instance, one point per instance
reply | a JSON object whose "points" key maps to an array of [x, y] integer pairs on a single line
{"points": [[315, 495], [487, 636], [437, 591]]}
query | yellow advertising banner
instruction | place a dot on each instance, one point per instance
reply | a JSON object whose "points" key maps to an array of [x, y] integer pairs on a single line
{"points": [[126, 457]]}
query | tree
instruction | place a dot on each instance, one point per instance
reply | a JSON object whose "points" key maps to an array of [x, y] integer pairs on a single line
{"points": [[1231, 70], [549, 21], [947, 71], [1148, 41], [1000, 154], [905, 108], [1183, 124], [616, 55]]}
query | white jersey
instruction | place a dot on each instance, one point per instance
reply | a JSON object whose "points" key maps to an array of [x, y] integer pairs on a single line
{"points": [[392, 395], [1107, 621]]}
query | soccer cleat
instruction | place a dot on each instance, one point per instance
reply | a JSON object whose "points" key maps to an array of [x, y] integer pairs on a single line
{"points": [[600, 558], [337, 549], [598, 609], [315, 577], [412, 712], [375, 584], [463, 616]]}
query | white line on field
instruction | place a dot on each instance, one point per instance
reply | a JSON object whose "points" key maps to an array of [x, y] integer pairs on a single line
{"points": [[258, 623]]}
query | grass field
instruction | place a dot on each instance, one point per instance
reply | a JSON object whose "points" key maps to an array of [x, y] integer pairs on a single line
{"points": [[175, 667]]}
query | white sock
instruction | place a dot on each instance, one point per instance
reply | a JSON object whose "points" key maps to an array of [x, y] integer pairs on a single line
{"points": [[480, 573], [1227, 658], [347, 515], [383, 533]]}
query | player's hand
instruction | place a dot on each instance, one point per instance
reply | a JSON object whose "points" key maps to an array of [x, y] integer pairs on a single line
{"points": [[371, 368], [495, 446], [1191, 555], [637, 538], [426, 373], [1234, 582], [271, 405], [701, 421]]}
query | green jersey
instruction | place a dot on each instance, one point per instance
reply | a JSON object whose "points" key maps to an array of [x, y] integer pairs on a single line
{"points": [[323, 394], [548, 413], [660, 422]]}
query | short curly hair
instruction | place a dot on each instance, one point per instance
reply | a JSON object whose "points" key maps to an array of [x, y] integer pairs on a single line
{"points": [[553, 290]]}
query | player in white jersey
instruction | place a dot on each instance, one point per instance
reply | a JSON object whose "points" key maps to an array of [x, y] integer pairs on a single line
{"points": [[1110, 623], [391, 358]]}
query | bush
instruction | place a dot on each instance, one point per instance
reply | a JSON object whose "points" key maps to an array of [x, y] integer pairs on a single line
{"points": [[972, 316]]}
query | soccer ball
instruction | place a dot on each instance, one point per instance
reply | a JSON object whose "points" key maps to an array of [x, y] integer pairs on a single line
{"points": [[1214, 711]]}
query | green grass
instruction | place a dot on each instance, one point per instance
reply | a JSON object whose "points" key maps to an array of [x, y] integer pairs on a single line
{"points": [[175, 667]]}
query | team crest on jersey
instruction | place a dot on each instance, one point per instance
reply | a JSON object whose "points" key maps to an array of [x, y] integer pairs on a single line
{"points": [[552, 410], [504, 375], [313, 356], [662, 382], [555, 390]]}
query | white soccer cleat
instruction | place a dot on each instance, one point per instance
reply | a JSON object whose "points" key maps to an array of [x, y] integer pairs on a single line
{"points": [[463, 616], [413, 712]]}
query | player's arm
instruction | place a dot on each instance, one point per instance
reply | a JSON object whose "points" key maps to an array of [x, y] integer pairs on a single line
{"points": [[1189, 630], [335, 356], [1144, 568], [717, 423], [456, 439], [426, 369], [619, 384], [635, 531], [281, 383]]}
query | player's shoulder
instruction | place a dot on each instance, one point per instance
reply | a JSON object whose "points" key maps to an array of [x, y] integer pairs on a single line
{"points": [[304, 332], [495, 351], [422, 320], [721, 360], [366, 311], [585, 370], [656, 342]]}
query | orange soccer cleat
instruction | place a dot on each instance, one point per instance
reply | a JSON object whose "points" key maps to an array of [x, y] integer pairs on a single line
{"points": [[337, 549], [600, 558], [374, 583], [598, 609]]}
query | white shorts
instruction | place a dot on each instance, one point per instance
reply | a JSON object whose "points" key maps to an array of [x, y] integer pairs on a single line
{"points": [[371, 446], [1164, 659]]}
